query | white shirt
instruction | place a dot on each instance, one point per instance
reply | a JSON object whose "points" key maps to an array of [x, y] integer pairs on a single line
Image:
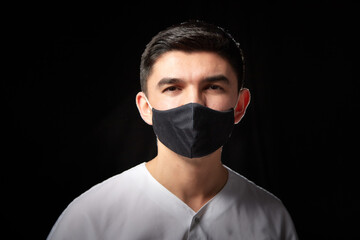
{"points": [[133, 205]]}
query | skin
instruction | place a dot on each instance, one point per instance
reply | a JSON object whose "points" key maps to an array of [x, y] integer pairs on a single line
{"points": [[178, 78]]}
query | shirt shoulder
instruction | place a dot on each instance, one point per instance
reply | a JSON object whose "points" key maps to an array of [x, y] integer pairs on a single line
{"points": [[112, 189], [106, 200], [246, 189], [263, 211]]}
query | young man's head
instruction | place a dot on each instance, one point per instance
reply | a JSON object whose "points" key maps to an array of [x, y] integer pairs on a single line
{"points": [[196, 71], [193, 36]]}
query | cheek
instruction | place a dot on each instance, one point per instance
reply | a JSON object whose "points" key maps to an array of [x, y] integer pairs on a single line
{"points": [[167, 103], [220, 103]]}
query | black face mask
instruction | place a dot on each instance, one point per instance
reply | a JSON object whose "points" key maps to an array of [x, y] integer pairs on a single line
{"points": [[193, 130]]}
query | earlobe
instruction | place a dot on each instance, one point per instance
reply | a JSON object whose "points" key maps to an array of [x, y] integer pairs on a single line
{"points": [[242, 104], [144, 108]]}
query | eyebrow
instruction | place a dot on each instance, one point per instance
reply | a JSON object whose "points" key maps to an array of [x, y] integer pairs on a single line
{"points": [[217, 78], [168, 81], [211, 79]]}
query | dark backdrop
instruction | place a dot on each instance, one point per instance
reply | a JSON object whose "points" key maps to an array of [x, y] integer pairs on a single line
{"points": [[71, 120]]}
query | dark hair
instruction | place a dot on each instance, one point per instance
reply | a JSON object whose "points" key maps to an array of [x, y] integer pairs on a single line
{"points": [[192, 36]]}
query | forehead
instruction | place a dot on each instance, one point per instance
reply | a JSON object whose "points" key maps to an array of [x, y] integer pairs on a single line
{"points": [[191, 67]]}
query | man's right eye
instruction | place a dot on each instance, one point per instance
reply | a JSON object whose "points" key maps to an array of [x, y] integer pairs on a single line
{"points": [[171, 89]]}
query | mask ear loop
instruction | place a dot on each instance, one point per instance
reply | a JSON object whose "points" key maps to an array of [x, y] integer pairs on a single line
{"points": [[237, 101], [148, 102]]}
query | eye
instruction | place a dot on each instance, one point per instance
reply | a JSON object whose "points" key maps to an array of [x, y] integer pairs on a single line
{"points": [[171, 89], [214, 87]]}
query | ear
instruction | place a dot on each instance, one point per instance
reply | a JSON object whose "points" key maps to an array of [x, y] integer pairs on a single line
{"points": [[144, 108], [242, 104]]}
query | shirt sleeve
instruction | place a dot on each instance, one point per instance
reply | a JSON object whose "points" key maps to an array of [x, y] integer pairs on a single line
{"points": [[288, 231], [75, 222]]}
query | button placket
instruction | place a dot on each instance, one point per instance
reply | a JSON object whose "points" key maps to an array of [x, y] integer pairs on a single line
{"points": [[195, 222], [197, 218], [196, 231]]}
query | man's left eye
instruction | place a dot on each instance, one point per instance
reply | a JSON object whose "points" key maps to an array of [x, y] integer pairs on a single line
{"points": [[214, 87]]}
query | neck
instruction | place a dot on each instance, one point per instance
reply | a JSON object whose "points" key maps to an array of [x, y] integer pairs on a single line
{"points": [[195, 181]]}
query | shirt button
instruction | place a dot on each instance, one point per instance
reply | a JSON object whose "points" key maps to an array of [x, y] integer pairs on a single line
{"points": [[197, 219]]}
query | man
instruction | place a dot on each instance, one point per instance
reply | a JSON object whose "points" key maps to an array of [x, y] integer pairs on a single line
{"points": [[192, 93]]}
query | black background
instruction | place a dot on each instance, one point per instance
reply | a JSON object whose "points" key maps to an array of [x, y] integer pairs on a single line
{"points": [[71, 120]]}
